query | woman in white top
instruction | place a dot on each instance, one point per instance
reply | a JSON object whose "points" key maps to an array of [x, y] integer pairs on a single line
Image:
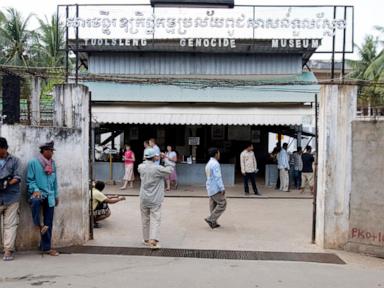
{"points": [[172, 178]]}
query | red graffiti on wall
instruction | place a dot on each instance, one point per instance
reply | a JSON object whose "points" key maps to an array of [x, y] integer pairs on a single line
{"points": [[361, 234]]}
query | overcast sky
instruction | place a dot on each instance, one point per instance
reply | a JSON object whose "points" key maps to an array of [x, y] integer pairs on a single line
{"points": [[368, 13]]}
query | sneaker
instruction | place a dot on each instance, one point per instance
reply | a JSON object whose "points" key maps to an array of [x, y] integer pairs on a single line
{"points": [[146, 242], [258, 194], [211, 224], [216, 226]]}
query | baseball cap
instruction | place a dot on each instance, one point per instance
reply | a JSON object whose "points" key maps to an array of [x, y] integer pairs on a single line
{"points": [[150, 153]]}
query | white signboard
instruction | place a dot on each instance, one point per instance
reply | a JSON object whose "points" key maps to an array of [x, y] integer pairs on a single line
{"points": [[143, 22], [194, 141]]}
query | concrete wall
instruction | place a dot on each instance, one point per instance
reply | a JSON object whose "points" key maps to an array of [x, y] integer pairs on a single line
{"points": [[71, 216], [366, 228], [71, 136], [336, 112]]}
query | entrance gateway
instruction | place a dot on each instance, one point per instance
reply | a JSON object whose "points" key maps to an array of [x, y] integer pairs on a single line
{"points": [[161, 72]]}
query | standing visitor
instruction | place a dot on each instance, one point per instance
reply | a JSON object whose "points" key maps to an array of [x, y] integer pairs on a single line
{"points": [[172, 178], [153, 145], [10, 177], [215, 188], [249, 169], [152, 195], [307, 172], [298, 167], [146, 145], [274, 155], [129, 161], [283, 166], [42, 189]]}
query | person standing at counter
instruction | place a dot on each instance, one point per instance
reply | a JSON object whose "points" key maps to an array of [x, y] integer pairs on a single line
{"points": [[215, 188], [146, 145], [283, 165], [172, 178], [153, 145], [129, 160], [249, 169]]}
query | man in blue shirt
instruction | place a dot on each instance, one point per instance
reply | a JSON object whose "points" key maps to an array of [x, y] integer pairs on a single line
{"points": [[42, 188], [10, 177], [215, 188]]}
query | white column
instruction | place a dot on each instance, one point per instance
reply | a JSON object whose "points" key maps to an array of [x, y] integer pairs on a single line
{"points": [[337, 110]]}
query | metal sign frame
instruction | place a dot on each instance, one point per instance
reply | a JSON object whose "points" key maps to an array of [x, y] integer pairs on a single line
{"points": [[333, 52]]}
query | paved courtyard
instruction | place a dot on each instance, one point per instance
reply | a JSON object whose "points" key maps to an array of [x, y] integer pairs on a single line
{"points": [[248, 224]]}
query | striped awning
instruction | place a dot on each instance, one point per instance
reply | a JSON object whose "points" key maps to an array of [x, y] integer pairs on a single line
{"points": [[190, 115]]}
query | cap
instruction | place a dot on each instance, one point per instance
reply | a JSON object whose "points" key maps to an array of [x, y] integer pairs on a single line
{"points": [[150, 153], [47, 145]]}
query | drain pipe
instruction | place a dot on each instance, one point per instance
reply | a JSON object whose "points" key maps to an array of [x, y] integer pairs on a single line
{"points": [[315, 172]]}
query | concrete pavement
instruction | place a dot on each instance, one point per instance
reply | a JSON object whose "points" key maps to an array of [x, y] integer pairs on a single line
{"points": [[83, 271], [247, 224]]}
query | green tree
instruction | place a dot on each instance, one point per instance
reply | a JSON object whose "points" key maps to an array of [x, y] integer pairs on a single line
{"points": [[16, 39], [369, 67], [367, 54], [375, 71], [50, 39]]}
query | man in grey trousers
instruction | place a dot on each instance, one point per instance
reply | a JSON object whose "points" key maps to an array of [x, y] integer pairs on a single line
{"points": [[152, 194], [10, 177], [215, 188]]}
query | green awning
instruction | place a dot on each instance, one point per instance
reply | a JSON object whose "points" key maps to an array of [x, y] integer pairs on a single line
{"points": [[289, 89]]}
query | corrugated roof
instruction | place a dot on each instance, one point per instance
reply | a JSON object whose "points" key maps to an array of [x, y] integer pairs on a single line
{"points": [[194, 64], [303, 89]]}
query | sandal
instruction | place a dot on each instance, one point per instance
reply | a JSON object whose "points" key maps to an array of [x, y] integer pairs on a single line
{"points": [[8, 257], [154, 245], [43, 229], [53, 253]]}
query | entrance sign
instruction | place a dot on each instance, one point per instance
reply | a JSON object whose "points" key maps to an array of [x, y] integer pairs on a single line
{"points": [[194, 141], [110, 24]]}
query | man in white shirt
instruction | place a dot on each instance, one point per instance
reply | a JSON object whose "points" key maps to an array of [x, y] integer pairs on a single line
{"points": [[249, 169], [153, 145], [283, 166]]}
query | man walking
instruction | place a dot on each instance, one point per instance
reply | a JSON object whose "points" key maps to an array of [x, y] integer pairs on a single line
{"points": [[249, 169], [283, 165], [298, 167], [152, 195], [215, 188], [307, 172], [42, 188], [10, 177]]}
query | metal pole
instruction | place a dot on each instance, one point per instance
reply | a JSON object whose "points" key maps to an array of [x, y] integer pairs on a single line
{"points": [[90, 163], [110, 169], [77, 47], [66, 46], [333, 46], [315, 173], [344, 40], [299, 135]]}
